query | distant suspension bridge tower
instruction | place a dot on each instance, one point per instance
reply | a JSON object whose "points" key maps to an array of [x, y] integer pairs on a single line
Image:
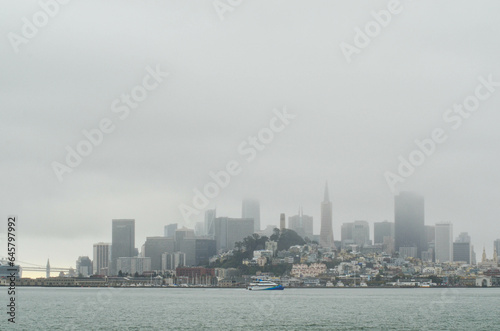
{"points": [[47, 272]]}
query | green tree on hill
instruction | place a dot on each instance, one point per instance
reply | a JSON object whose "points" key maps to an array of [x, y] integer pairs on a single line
{"points": [[286, 238]]}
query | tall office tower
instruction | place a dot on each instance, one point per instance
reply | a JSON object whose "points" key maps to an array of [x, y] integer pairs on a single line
{"points": [[409, 225], [430, 234], [198, 251], [496, 246], [282, 222], [326, 232], [462, 248], [382, 230], [302, 224], [346, 233], [361, 233], [84, 266], [463, 237], [210, 216], [462, 251], [122, 242], [102, 254], [444, 242], [169, 230], [251, 209], [181, 234], [154, 247], [228, 231]]}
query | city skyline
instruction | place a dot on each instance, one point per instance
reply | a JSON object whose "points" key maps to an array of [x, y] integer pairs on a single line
{"points": [[367, 233], [449, 249], [337, 223]]}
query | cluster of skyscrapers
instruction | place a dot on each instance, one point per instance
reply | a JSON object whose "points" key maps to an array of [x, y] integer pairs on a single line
{"points": [[188, 247], [408, 236], [177, 247]]}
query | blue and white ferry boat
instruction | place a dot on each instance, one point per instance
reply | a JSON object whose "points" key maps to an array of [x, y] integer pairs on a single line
{"points": [[261, 285]]}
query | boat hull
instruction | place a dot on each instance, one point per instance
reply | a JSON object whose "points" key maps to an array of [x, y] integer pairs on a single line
{"points": [[266, 288]]}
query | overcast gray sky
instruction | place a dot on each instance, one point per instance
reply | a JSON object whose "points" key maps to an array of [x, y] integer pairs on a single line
{"points": [[353, 120]]}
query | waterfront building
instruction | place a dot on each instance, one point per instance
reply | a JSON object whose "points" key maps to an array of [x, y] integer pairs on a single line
{"points": [[409, 219], [251, 209], [326, 231], [122, 242], [133, 265], [195, 275], [444, 242], [101, 258]]}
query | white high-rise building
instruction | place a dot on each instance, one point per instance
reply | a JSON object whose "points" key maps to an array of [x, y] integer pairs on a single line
{"points": [[444, 242], [102, 257]]}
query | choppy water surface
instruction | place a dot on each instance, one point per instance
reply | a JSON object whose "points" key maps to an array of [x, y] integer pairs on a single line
{"points": [[238, 309]]}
